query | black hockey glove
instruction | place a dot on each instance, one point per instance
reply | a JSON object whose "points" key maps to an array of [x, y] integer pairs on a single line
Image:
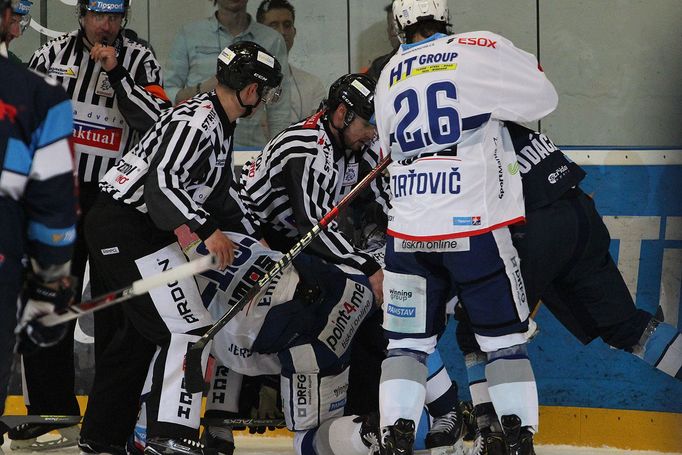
{"points": [[39, 298]]}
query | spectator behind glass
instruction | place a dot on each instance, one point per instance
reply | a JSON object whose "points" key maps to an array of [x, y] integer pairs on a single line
{"points": [[193, 55], [18, 23], [392, 32], [307, 89]]}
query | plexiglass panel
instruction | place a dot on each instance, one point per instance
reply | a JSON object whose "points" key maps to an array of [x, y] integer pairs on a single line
{"points": [[615, 63]]}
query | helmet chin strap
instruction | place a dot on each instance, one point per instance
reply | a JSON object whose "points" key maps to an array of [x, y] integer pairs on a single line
{"points": [[249, 107]]}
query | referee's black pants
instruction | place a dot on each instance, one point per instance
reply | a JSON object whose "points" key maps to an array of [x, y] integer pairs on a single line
{"points": [[117, 236]]}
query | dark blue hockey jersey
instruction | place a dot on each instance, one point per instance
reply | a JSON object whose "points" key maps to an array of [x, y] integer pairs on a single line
{"points": [[38, 205]]}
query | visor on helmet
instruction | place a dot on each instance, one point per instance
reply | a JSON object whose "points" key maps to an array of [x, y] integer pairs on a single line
{"points": [[271, 95]]}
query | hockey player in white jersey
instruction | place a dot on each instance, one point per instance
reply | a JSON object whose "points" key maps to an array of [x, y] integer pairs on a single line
{"points": [[440, 104]]}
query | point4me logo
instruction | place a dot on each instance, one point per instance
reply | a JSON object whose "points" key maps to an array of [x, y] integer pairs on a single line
{"points": [[92, 134]]}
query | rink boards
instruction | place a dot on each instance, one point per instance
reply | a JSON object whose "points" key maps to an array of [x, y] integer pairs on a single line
{"points": [[590, 395]]}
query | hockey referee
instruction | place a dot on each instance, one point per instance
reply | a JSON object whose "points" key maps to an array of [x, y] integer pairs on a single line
{"points": [[179, 174]]}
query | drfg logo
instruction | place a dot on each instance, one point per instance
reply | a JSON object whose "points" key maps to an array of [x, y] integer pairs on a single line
{"points": [[303, 389]]}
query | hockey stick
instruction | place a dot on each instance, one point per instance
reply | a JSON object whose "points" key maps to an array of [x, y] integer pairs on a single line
{"points": [[13, 421], [194, 378], [256, 423], [139, 287]]}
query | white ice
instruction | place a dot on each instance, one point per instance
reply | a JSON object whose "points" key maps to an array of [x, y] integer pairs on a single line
{"points": [[282, 446]]}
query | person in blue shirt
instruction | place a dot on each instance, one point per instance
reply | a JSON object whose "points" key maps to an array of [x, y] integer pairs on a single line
{"points": [[191, 64]]}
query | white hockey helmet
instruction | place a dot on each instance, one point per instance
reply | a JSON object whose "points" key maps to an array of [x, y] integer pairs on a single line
{"points": [[409, 12]]}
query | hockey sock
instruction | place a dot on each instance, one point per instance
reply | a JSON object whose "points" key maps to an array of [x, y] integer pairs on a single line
{"points": [[441, 392], [511, 384], [661, 347], [478, 387], [339, 436], [402, 389]]}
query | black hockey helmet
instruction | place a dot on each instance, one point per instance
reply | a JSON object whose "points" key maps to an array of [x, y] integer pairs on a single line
{"points": [[356, 91], [245, 62]]}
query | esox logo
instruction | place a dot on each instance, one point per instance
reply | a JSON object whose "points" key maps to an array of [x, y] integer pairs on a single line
{"points": [[8, 111], [98, 136]]}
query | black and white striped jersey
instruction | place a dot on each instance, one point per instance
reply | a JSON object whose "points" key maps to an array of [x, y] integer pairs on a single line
{"points": [[181, 171], [297, 179], [110, 109]]}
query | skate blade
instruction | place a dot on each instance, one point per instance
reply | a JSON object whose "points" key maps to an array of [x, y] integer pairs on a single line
{"points": [[456, 449], [66, 437]]}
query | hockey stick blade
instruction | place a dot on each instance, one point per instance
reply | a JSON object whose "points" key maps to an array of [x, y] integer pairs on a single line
{"points": [[13, 421], [194, 378], [255, 423], [139, 287]]}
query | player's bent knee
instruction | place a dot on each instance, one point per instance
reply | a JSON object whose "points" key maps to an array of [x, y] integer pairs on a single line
{"points": [[492, 344]]}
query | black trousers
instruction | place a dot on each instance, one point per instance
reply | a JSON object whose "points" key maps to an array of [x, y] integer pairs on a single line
{"points": [[123, 363], [11, 251], [565, 262], [50, 372]]}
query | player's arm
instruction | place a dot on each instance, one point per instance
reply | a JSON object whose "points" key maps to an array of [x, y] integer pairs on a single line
{"points": [[50, 195], [311, 198], [141, 97], [182, 152], [40, 60], [182, 149], [524, 92], [379, 186]]}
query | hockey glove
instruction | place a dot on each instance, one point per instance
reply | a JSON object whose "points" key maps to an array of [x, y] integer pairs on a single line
{"points": [[40, 298], [267, 407]]}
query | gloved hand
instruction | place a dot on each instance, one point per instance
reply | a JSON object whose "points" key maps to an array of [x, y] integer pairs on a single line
{"points": [[39, 298], [188, 241], [267, 408]]}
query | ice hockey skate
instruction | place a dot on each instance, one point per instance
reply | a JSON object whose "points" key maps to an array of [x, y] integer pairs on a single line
{"points": [[398, 439], [488, 443], [370, 433], [445, 436], [469, 428], [182, 446], [219, 439], [519, 439], [89, 447], [35, 437]]}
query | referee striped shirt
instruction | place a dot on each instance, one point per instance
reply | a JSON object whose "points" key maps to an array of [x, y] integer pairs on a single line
{"points": [[297, 179], [181, 171], [111, 109]]}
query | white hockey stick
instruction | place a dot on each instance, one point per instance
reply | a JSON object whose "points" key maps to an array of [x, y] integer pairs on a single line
{"points": [[139, 287]]}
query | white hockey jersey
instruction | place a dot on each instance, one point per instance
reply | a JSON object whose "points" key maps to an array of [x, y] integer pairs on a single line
{"points": [[448, 96], [232, 345]]}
